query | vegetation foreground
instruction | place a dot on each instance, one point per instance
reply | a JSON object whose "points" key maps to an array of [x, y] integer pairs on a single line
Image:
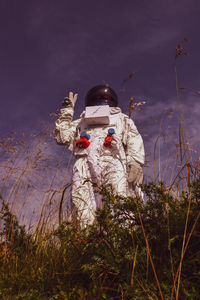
{"points": [[135, 250]]}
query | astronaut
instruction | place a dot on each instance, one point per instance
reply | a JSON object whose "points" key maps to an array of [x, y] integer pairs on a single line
{"points": [[107, 146]]}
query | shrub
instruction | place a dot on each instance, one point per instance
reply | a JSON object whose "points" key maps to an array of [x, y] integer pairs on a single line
{"points": [[133, 251]]}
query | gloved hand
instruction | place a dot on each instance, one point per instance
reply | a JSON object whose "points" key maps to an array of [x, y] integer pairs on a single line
{"points": [[135, 173], [71, 100]]}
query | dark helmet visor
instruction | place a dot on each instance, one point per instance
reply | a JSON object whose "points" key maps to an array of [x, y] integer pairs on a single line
{"points": [[101, 95]]}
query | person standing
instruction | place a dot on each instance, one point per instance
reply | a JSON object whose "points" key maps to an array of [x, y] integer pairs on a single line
{"points": [[107, 146]]}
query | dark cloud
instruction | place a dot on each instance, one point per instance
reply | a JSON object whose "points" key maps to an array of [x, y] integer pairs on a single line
{"points": [[49, 48]]}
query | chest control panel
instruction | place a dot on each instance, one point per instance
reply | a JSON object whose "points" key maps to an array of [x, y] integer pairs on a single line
{"points": [[98, 115]]}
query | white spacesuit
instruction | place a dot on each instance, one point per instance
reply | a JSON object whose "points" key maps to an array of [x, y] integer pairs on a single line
{"points": [[108, 150]]}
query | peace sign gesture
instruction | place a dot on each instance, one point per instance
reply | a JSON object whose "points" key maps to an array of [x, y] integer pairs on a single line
{"points": [[70, 100]]}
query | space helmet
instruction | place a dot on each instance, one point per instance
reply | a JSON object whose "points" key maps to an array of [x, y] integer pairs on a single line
{"points": [[101, 95]]}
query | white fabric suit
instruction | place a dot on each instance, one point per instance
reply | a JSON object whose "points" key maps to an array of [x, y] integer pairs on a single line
{"points": [[100, 164]]}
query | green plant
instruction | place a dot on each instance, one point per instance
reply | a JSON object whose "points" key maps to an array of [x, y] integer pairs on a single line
{"points": [[133, 251]]}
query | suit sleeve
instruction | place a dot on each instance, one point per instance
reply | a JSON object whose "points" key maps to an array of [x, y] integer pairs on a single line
{"points": [[65, 131], [133, 143]]}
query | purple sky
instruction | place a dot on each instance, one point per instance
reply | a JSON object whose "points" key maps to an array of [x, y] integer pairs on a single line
{"points": [[49, 48]]}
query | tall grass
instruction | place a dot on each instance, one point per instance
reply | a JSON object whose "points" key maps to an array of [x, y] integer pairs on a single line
{"points": [[131, 252], [33, 177]]}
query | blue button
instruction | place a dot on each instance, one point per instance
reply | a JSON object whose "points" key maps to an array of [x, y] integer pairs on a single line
{"points": [[111, 131], [85, 134]]}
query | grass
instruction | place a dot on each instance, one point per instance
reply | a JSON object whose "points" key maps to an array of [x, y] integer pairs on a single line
{"points": [[133, 251]]}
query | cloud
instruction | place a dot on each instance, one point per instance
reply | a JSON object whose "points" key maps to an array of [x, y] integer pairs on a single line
{"points": [[159, 123], [34, 175]]}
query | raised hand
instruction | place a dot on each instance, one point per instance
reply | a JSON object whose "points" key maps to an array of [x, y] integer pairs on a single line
{"points": [[71, 100]]}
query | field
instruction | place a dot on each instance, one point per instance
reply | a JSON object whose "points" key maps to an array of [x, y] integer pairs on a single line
{"points": [[136, 249]]}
